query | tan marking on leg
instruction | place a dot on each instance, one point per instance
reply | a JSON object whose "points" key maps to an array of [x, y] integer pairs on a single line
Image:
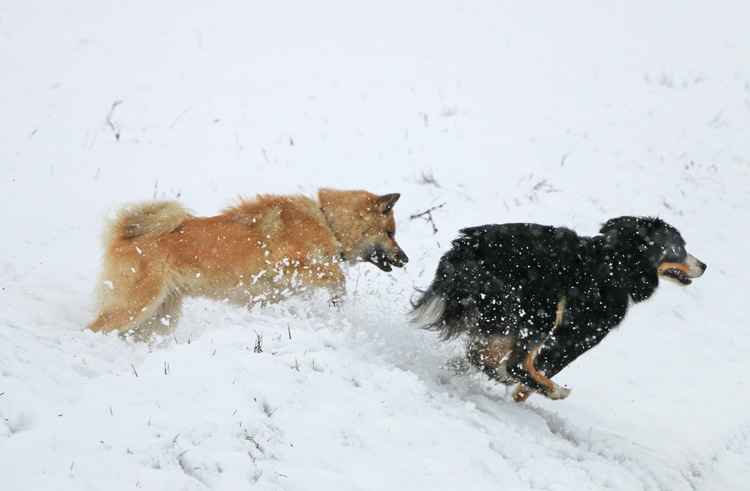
{"points": [[521, 392], [528, 365], [560, 312], [492, 351]]}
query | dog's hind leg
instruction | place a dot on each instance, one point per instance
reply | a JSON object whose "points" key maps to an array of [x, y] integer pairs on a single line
{"points": [[488, 353], [131, 304], [163, 320]]}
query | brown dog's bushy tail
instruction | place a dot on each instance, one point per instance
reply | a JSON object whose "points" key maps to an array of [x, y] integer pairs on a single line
{"points": [[149, 219]]}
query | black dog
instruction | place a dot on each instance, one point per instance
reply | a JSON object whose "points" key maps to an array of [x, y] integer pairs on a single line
{"points": [[533, 298]]}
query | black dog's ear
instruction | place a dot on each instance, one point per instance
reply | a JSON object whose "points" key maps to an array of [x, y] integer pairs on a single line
{"points": [[621, 227], [617, 225], [387, 201], [630, 226]]}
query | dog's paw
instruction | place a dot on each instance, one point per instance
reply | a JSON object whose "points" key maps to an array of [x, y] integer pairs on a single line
{"points": [[335, 302], [559, 393], [521, 393]]}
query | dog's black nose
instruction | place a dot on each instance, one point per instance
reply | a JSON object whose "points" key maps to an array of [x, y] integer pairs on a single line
{"points": [[401, 259]]}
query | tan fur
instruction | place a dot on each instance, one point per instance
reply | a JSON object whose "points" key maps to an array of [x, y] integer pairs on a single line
{"points": [[261, 249], [491, 351], [680, 266], [528, 364], [521, 392], [149, 219]]}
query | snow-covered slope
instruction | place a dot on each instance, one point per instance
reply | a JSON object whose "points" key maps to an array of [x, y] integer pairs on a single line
{"points": [[564, 114]]}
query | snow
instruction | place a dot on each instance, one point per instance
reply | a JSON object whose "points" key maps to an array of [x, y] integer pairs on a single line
{"points": [[565, 114]]}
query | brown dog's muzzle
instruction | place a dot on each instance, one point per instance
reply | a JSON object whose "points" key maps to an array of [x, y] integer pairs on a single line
{"points": [[385, 258], [400, 258]]}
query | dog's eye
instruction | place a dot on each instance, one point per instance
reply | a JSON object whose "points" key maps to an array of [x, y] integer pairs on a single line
{"points": [[674, 254], [390, 234]]}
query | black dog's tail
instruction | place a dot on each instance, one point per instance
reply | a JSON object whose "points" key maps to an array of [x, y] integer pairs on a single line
{"points": [[448, 306]]}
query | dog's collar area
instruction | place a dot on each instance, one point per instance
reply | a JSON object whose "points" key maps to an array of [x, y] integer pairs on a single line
{"points": [[605, 242], [333, 231]]}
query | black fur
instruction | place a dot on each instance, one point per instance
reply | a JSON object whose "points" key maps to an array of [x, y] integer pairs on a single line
{"points": [[509, 280]]}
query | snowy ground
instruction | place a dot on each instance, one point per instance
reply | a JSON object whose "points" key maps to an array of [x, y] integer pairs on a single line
{"points": [[564, 113]]}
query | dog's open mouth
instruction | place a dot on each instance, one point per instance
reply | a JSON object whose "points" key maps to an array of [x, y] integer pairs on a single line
{"points": [[677, 275], [380, 260], [682, 273], [385, 263]]}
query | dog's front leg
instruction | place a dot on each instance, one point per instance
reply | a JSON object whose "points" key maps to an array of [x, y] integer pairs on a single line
{"points": [[566, 345], [526, 367], [328, 276], [521, 366], [337, 286]]}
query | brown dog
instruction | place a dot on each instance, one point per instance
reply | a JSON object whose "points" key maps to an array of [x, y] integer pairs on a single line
{"points": [[258, 250]]}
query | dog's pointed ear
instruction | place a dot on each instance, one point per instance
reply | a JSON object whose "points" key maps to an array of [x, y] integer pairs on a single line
{"points": [[387, 201]]}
